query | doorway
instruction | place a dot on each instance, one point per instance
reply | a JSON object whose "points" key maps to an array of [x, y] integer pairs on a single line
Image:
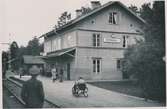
{"points": [[68, 71]]}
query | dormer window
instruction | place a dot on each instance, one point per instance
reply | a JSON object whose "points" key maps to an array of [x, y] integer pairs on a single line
{"points": [[113, 18]]}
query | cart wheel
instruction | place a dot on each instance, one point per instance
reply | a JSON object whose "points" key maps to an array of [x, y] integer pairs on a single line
{"points": [[86, 94], [73, 91], [76, 94], [86, 90]]}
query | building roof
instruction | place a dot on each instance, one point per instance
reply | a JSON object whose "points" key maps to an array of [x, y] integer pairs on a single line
{"points": [[29, 59], [78, 19], [60, 52]]}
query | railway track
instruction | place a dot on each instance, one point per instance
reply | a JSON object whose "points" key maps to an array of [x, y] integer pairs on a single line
{"points": [[10, 101], [14, 87]]}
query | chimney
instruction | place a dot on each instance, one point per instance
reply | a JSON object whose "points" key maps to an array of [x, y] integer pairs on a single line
{"points": [[78, 12], [95, 4]]}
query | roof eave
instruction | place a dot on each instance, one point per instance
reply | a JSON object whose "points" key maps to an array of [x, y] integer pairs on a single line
{"points": [[142, 20], [92, 12]]}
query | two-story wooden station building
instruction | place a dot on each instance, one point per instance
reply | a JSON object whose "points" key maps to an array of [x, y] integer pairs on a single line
{"points": [[92, 45]]}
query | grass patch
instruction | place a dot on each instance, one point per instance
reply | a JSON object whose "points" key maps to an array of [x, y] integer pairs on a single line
{"points": [[126, 87]]}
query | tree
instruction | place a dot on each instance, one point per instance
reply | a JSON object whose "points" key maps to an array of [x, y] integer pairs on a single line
{"points": [[13, 50], [41, 47], [22, 51], [85, 10], [144, 60], [134, 9], [33, 47], [66, 17], [146, 12], [5, 58], [63, 19], [14, 55]]}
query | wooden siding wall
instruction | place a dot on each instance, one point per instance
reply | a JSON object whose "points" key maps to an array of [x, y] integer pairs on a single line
{"points": [[68, 39], [126, 22], [108, 59]]}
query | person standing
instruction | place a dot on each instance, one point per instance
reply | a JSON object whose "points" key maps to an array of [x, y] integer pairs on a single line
{"points": [[61, 75], [20, 72], [41, 70], [54, 72], [32, 92]]}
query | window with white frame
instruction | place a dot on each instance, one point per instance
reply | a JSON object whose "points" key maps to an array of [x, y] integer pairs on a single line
{"points": [[59, 44], [54, 44], [96, 65], [47, 46], [96, 40], [69, 38], [113, 18], [120, 63]]}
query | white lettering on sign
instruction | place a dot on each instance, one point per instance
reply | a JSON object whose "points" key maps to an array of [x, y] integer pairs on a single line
{"points": [[112, 40]]}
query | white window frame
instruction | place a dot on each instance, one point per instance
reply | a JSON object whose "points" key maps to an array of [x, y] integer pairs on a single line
{"points": [[113, 17], [97, 67], [69, 38], [119, 65], [58, 43], [96, 40], [48, 46], [54, 44]]}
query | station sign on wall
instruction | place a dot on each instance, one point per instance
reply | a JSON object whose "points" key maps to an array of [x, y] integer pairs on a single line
{"points": [[112, 40]]}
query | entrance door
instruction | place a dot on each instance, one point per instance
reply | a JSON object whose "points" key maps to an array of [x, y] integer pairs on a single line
{"points": [[68, 71]]}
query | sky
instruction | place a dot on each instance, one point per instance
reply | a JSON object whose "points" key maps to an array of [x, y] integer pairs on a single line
{"points": [[21, 20]]}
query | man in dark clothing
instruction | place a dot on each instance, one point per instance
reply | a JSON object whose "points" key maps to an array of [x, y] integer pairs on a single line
{"points": [[61, 75], [32, 92]]}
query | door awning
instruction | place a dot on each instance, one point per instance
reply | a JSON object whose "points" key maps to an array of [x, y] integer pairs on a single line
{"points": [[60, 53], [29, 59]]}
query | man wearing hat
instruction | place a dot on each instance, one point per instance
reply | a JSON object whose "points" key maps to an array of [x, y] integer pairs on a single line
{"points": [[32, 91]]}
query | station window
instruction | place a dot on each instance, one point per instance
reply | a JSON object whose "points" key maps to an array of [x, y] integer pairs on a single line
{"points": [[96, 40], [113, 18], [96, 65], [47, 46], [118, 64], [54, 44], [58, 43]]}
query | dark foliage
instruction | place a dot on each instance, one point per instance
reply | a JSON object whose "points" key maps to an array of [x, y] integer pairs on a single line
{"points": [[13, 50], [14, 55], [33, 47], [144, 60], [133, 8], [5, 59]]}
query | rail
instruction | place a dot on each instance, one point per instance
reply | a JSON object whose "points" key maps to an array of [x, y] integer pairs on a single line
{"points": [[14, 87]]}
